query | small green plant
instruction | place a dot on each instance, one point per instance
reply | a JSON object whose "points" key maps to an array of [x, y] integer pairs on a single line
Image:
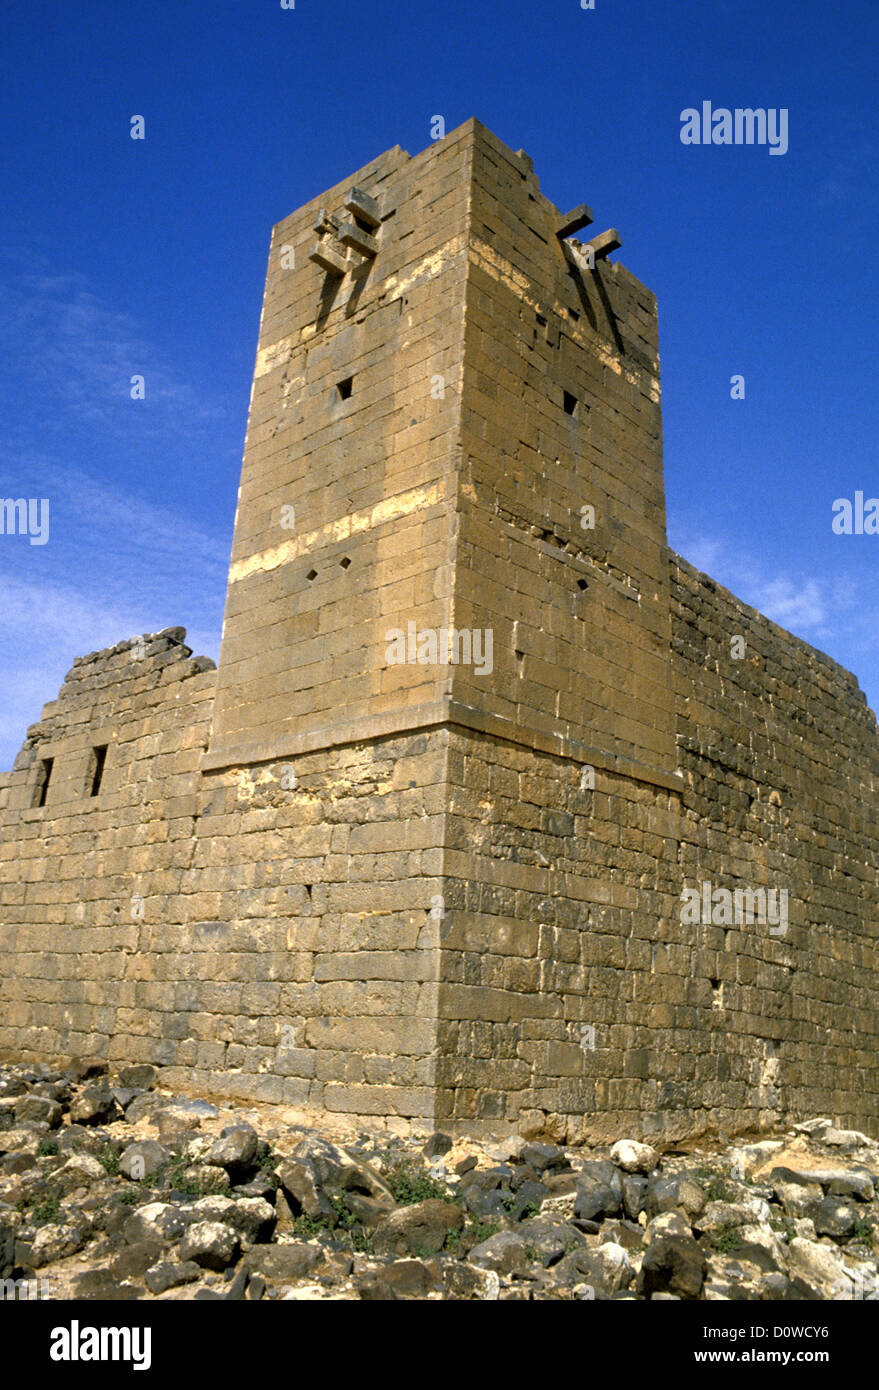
{"points": [[509, 1200], [48, 1148], [128, 1197], [783, 1227], [46, 1212], [109, 1159], [717, 1188], [361, 1240], [727, 1240], [863, 1231], [175, 1176], [266, 1165], [410, 1182], [483, 1230], [42, 1211], [306, 1227], [720, 1191], [344, 1224]]}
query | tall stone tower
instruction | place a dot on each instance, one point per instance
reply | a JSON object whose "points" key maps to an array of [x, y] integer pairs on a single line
{"points": [[455, 429], [425, 847], [454, 424]]}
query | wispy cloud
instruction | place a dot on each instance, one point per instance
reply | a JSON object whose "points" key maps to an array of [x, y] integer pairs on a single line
{"points": [[80, 353], [810, 607], [123, 557]]}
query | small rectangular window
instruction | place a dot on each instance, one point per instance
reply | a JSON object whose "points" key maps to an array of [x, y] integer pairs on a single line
{"points": [[345, 388], [44, 772], [99, 757], [570, 404]]}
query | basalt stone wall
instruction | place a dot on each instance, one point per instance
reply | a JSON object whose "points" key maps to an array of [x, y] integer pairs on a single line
{"points": [[780, 757], [574, 999], [451, 927], [256, 932], [84, 874]]}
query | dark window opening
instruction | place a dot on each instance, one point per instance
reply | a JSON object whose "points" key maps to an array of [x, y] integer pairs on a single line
{"points": [[570, 403], [582, 585], [345, 388], [42, 784], [312, 574], [344, 563], [100, 757]]}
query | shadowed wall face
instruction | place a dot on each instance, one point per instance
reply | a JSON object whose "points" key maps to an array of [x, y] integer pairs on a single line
{"points": [[561, 499]]}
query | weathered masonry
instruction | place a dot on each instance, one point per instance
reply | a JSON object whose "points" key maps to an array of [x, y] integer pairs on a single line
{"points": [[426, 890]]}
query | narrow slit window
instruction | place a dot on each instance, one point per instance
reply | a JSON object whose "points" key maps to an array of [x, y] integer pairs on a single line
{"points": [[345, 388], [570, 404], [44, 774], [99, 757]]}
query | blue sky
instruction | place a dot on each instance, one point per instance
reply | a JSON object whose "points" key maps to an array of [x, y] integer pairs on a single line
{"points": [[120, 257]]}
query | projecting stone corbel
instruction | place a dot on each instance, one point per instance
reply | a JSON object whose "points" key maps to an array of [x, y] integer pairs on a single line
{"points": [[575, 221], [359, 233], [602, 245], [352, 235], [326, 251]]}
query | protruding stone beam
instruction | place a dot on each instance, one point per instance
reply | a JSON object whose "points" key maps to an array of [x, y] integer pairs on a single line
{"points": [[359, 204], [352, 235], [323, 252], [326, 223], [328, 259], [575, 221], [603, 244]]}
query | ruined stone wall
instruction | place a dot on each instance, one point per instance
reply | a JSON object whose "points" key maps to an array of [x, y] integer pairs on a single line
{"points": [[84, 878], [574, 999], [255, 934], [780, 756]]}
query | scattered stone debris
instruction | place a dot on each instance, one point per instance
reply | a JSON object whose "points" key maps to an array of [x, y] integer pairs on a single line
{"points": [[115, 1189]]}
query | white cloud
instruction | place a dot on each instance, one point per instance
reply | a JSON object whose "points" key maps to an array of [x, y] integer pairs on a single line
{"points": [[119, 562]]}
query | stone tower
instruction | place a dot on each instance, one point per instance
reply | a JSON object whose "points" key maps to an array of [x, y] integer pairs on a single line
{"points": [[424, 848], [454, 424]]}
